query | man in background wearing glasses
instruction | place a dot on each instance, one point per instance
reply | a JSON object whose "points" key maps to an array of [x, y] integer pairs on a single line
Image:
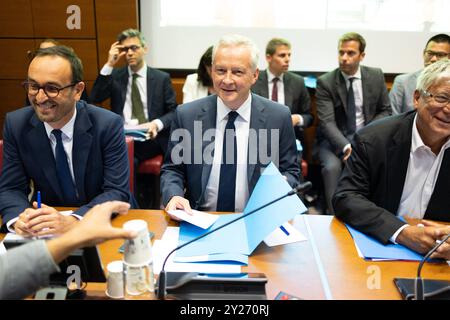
{"points": [[72, 153], [401, 94], [400, 166], [143, 96]]}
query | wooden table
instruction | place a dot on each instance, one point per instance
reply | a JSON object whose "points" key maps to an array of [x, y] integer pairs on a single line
{"points": [[324, 267]]}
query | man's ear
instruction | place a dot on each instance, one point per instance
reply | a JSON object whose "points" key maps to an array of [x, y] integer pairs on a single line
{"points": [[416, 98], [79, 87]]}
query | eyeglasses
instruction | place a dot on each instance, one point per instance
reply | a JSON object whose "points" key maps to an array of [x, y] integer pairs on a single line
{"points": [[438, 55], [440, 100], [50, 90], [133, 48]]}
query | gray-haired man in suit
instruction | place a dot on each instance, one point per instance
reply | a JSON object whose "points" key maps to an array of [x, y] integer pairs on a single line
{"points": [[202, 183]]}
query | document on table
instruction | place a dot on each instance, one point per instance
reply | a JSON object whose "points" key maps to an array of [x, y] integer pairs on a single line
{"points": [[243, 236], [201, 219], [288, 235], [168, 242]]}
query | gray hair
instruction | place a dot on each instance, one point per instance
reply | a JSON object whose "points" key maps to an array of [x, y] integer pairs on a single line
{"points": [[131, 33], [235, 40], [433, 73]]}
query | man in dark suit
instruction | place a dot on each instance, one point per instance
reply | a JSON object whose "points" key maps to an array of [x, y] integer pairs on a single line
{"points": [[348, 98], [236, 122], [400, 166], [141, 95], [280, 85], [72, 152]]}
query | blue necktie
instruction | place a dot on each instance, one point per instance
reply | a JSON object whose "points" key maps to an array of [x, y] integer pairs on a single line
{"points": [[351, 108], [63, 172], [227, 180]]}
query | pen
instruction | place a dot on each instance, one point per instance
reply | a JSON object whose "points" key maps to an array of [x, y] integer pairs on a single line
{"points": [[39, 199], [284, 230]]}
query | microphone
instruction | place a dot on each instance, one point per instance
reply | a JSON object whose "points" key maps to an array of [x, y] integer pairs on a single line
{"points": [[300, 188], [419, 285]]}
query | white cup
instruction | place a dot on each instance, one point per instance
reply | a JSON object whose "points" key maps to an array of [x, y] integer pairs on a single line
{"points": [[138, 251], [139, 280], [115, 284]]}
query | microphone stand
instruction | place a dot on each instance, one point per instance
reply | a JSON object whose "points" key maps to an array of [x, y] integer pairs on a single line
{"points": [[162, 275], [419, 285]]}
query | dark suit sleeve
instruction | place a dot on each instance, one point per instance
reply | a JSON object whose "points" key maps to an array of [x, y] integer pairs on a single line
{"points": [[170, 103], [14, 183], [115, 166], [173, 172], [351, 200], [384, 104], [325, 111], [102, 89], [289, 166], [303, 106]]}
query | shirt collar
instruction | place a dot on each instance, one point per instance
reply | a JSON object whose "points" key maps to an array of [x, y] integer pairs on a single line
{"points": [[357, 75], [270, 76], [142, 72], [417, 142], [67, 129], [243, 110]]}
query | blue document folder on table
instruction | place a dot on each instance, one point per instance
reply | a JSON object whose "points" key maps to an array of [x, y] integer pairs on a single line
{"points": [[238, 240], [372, 249]]}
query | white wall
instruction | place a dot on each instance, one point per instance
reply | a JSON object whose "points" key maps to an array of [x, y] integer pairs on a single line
{"points": [[314, 42]]}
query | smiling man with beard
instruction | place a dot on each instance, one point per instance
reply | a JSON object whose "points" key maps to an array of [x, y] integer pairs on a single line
{"points": [[72, 152]]}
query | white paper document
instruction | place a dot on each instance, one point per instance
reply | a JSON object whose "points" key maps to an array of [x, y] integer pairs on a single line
{"points": [[169, 241], [280, 236], [198, 218]]}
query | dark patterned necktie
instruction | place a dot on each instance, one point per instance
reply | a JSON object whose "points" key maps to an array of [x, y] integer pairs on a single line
{"points": [[227, 180], [351, 108], [63, 172], [275, 89], [137, 107]]}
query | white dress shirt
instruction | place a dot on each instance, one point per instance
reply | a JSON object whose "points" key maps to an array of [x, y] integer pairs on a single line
{"points": [[67, 139], [421, 176], [141, 82], [242, 125]]}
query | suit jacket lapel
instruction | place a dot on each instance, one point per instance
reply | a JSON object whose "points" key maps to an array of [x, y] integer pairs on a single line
{"points": [[288, 94], [150, 87], [264, 86], [341, 88], [257, 122], [366, 92], [208, 120], [440, 199], [82, 140], [40, 145], [123, 83], [397, 163]]}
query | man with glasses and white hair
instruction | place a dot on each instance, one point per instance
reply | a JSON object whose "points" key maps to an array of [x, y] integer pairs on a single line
{"points": [[225, 181], [401, 94], [142, 95], [400, 167], [72, 153]]}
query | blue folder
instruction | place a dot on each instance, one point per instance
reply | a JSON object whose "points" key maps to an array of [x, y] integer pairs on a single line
{"points": [[242, 237], [372, 249]]}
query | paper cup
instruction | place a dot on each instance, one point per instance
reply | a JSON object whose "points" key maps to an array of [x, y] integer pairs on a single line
{"points": [[137, 251], [115, 285]]}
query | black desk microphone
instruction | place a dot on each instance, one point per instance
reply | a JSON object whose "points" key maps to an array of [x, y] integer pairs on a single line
{"points": [[419, 285], [162, 275]]}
